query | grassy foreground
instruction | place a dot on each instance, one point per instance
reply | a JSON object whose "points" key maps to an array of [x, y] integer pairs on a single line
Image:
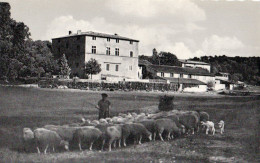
{"points": [[30, 107]]}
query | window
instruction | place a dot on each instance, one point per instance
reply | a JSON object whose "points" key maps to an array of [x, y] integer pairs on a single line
{"points": [[117, 40], [94, 50], [108, 39], [162, 74], [78, 38], [107, 67], [131, 42], [117, 67], [67, 45], [58, 40], [171, 75], [78, 49], [130, 68], [117, 52], [189, 76], [108, 51], [181, 75], [94, 38], [131, 54]]}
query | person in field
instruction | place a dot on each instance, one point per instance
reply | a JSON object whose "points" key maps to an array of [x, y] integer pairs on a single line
{"points": [[104, 107]]}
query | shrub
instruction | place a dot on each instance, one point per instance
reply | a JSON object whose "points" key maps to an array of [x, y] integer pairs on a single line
{"points": [[166, 103]]}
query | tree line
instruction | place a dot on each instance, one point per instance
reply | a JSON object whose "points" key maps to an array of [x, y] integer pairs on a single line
{"points": [[245, 69], [162, 58], [21, 57]]}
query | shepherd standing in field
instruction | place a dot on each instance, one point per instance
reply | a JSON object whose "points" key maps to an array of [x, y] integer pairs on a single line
{"points": [[104, 107]]}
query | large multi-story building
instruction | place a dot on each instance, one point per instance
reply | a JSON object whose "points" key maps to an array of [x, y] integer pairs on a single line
{"points": [[117, 55]]}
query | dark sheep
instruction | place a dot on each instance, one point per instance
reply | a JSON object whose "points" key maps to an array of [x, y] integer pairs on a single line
{"points": [[176, 120], [166, 125], [204, 116], [86, 134], [149, 125], [190, 122], [197, 117], [46, 138], [137, 130]]}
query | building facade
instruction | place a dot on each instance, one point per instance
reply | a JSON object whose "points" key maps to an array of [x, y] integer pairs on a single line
{"points": [[174, 72], [117, 55], [195, 64]]}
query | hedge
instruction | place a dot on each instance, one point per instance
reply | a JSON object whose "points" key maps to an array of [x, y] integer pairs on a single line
{"points": [[126, 86]]}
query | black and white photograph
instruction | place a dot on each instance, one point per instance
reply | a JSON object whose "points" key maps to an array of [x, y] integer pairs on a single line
{"points": [[130, 81]]}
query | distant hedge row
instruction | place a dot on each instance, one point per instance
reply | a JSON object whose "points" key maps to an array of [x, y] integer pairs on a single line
{"points": [[126, 86]]}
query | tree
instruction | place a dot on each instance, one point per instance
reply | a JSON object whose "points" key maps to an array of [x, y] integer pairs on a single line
{"points": [[167, 58], [12, 39], [155, 57], [210, 84], [19, 55], [166, 103], [92, 67], [64, 66], [240, 68]]}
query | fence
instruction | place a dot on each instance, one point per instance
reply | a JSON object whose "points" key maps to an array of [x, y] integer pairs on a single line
{"points": [[94, 85]]}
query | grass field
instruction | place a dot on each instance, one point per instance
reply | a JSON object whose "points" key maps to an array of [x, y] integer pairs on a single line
{"points": [[32, 107]]}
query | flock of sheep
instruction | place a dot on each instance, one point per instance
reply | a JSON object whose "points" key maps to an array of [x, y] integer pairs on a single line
{"points": [[119, 129]]}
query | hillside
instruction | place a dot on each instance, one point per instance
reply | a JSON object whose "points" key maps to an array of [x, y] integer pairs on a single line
{"points": [[245, 69]]}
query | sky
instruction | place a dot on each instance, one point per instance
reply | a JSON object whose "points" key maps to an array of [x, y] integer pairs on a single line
{"points": [[187, 28]]}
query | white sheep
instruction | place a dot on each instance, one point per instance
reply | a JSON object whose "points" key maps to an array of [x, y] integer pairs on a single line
{"points": [[209, 127], [221, 125], [47, 138], [96, 122], [103, 121]]}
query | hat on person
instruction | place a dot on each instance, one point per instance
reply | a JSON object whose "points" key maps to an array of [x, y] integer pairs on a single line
{"points": [[104, 95]]}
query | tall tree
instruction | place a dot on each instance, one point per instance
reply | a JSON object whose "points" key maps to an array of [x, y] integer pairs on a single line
{"points": [[155, 57], [64, 66], [12, 39], [167, 58], [92, 67]]}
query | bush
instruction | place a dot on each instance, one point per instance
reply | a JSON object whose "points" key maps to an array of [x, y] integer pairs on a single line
{"points": [[166, 103]]}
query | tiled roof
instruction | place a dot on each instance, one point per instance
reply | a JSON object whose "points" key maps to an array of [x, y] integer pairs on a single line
{"points": [[180, 70], [226, 81], [144, 62], [185, 81], [222, 73], [104, 35], [193, 62]]}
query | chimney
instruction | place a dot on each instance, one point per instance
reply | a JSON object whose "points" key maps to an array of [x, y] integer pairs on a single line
{"points": [[79, 32], [70, 32]]}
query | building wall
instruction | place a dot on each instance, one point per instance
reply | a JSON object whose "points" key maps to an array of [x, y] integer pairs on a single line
{"points": [[69, 47], [204, 79], [78, 50], [199, 88], [196, 65], [222, 77], [128, 66], [220, 86]]}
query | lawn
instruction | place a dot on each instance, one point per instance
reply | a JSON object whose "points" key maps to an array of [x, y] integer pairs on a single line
{"points": [[32, 107]]}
